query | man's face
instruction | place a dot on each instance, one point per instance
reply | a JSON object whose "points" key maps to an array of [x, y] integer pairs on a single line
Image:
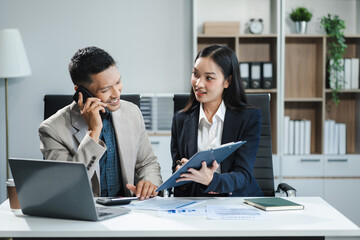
{"points": [[107, 86]]}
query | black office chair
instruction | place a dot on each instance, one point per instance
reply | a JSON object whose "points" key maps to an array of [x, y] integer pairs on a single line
{"points": [[52, 102], [263, 169]]}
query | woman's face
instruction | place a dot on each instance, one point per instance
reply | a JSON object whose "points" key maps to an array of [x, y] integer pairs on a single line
{"points": [[208, 81]]}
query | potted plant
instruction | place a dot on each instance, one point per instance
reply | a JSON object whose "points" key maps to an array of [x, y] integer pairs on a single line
{"points": [[301, 16], [336, 46]]}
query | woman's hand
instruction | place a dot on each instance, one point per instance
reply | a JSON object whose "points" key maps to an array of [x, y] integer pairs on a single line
{"points": [[180, 163], [203, 176]]}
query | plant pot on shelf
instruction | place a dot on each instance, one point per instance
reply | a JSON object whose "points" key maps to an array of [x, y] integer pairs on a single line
{"points": [[301, 27]]}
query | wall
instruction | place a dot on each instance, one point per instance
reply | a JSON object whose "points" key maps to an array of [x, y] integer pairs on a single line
{"points": [[236, 10], [151, 41]]}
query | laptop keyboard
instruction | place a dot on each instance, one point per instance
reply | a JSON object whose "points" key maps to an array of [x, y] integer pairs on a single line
{"points": [[103, 211]]}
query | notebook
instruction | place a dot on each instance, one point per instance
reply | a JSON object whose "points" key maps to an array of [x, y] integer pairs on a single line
{"points": [[57, 189], [273, 204]]}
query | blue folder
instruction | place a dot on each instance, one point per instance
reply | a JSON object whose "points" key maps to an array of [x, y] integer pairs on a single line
{"points": [[219, 154]]}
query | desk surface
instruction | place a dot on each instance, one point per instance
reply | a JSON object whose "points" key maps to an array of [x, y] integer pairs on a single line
{"points": [[318, 219]]}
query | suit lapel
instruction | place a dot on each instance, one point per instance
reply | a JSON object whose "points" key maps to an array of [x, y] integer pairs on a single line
{"points": [[191, 132], [126, 147], [229, 135], [78, 122]]}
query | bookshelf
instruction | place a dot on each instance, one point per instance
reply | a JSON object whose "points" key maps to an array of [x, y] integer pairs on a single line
{"points": [[301, 89], [348, 111], [307, 93], [305, 57]]}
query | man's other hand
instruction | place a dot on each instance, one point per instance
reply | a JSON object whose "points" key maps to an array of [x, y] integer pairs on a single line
{"points": [[143, 189]]}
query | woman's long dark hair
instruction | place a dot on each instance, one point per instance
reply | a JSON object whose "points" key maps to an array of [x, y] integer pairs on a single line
{"points": [[234, 96]]}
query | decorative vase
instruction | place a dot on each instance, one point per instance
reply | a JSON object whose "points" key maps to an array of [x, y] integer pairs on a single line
{"points": [[301, 27]]}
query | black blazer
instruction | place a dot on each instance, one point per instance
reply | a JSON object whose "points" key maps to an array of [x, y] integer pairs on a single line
{"points": [[236, 178]]}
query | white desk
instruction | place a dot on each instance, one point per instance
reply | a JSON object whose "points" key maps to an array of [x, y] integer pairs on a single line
{"points": [[319, 219]]}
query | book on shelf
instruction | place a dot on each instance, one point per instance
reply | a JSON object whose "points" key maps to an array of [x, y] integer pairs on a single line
{"points": [[326, 137], [331, 147], [297, 137], [291, 136], [355, 73], [273, 204], [302, 137], [350, 73], [286, 134], [307, 142], [334, 137], [342, 138], [347, 73], [244, 74], [255, 75], [267, 75]]}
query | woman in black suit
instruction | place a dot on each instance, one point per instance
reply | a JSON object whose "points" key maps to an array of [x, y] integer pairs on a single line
{"points": [[216, 113]]}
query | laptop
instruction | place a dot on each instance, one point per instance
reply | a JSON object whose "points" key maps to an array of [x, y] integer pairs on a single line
{"points": [[57, 189]]}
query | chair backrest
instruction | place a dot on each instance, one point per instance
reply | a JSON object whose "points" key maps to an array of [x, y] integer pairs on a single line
{"points": [[52, 102], [263, 169]]}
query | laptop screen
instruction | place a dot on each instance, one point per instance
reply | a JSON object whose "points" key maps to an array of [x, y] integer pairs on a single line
{"points": [[53, 189]]}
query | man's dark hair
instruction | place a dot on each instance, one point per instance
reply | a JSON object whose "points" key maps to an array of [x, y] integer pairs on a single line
{"points": [[88, 61]]}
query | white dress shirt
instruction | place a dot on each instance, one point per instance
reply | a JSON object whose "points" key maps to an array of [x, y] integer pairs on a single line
{"points": [[209, 135]]}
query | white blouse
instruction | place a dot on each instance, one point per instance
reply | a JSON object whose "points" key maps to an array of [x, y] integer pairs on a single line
{"points": [[209, 135]]}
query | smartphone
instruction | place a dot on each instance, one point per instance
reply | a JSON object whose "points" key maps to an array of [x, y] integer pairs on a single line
{"points": [[86, 94], [115, 200]]}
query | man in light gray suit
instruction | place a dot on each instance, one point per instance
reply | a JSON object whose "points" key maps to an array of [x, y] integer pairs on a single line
{"points": [[102, 131]]}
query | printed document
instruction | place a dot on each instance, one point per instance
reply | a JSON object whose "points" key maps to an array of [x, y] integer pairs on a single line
{"points": [[234, 212], [197, 211], [160, 203]]}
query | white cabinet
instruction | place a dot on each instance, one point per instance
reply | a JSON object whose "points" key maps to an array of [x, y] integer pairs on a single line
{"points": [[342, 166], [336, 178], [342, 184], [302, 166], [304, 173], [161, 148]]}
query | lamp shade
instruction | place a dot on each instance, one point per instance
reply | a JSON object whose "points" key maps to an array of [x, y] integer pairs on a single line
{"points": [[13, 58]]}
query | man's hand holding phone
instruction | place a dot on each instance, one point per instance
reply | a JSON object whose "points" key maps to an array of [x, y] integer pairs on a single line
{"points": [[90, 111]]}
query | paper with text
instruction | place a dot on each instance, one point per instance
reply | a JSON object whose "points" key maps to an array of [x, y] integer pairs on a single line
{"points": [[234, 212], [200, 211], [160, 203]]}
